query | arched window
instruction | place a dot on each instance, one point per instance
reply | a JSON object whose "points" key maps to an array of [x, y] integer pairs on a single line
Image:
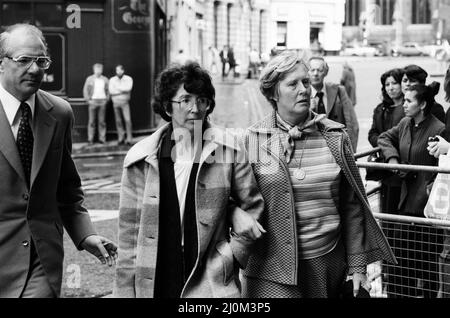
{"points": [[421, 13]]}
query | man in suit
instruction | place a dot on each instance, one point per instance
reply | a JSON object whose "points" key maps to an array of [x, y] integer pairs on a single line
{"points": [[40, 186], [332, 99]]}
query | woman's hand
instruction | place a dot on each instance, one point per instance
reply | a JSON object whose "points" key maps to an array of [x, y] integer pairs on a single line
{"points": [[360, 280], [438, 148], [244, 225], [394, 161]]}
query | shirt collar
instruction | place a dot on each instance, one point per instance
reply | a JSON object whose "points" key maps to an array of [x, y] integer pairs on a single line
{"points": [[423, 122], [11, 104], [314, 91]]}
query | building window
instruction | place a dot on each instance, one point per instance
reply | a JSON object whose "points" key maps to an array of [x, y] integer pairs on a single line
{"points": [[421, 13], [261, 16], [41, 14], [216, 23], [282, 34], [352, 12], [229, 23], [386, 11]]}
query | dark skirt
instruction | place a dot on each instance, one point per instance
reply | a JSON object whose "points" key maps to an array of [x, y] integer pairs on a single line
{"points": [[320, 277]]}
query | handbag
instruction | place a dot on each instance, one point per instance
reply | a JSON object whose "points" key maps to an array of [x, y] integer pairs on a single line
{"points": [[438, 204], [376, 174]]}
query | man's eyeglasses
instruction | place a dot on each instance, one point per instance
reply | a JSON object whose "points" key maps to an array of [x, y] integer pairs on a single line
{"points": [[187, 102], [26, 61]]}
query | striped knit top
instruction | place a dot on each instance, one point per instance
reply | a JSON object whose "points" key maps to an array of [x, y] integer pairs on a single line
{"points": [[316, 197]]}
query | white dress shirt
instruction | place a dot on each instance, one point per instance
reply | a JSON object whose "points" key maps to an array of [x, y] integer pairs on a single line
{"points": [[11, 105], [315, 98], [182, 169]]}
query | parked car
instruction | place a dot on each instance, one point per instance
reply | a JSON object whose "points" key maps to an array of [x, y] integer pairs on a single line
{"points": [[359, 50], [407, 49]]}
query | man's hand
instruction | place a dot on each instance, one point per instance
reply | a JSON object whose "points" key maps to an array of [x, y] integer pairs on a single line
{"points": [[102, 248], [438, 148], [244, 225]]}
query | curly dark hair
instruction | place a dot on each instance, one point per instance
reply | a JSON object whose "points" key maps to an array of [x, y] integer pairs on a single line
{"points": [[415, 72], [194, 79], [426, 93], [397, 75]]}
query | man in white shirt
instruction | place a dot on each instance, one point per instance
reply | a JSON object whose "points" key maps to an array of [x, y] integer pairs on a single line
{"points": [[120, 87], [96, 94]]}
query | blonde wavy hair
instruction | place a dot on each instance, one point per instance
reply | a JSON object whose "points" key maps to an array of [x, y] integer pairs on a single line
{"points": [[277, 69]]}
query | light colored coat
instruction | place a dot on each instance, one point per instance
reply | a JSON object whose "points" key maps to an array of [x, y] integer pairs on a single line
{"points": [[276, 255], [54, 200], [215, 273]]}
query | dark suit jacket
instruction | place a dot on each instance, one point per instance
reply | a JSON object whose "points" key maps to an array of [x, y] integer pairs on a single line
{"points": [[340, 109], [53, 200]]}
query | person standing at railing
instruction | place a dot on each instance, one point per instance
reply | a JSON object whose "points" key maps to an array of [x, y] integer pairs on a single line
{"points": [[386, 115], [442, 147], [414, 74], [416, 247]]}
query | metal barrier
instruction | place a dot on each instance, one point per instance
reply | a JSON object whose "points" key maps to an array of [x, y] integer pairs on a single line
{"points": [[421, 246]]}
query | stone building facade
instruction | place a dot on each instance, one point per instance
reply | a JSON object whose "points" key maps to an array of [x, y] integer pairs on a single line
{"points": [[396, 21], [196, 25], [300, 24]]}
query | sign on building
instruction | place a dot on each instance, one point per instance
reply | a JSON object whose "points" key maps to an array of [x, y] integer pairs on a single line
{"points": [[131, 16]]}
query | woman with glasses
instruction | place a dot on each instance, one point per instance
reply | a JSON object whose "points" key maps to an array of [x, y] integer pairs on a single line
{"points": [[182, 189], [320, 229]]}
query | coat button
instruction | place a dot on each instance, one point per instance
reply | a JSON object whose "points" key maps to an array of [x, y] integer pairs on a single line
{"points": [[25, 243], [25, 196]]}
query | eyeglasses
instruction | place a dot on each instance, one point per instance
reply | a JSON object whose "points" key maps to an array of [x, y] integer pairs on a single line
{"points": [[26, 61], [187, 102]]}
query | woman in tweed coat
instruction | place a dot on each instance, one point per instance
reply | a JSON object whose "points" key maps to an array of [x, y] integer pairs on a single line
{"points": [[318, 221], [178, 189], [416, 246]]}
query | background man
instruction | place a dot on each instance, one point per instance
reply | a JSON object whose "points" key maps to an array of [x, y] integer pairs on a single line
{"points": [[332, 99], [120, 87], [40, 186], [95, 92]]}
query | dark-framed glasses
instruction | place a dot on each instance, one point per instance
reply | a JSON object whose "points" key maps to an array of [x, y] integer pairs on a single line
{"points": [[26, 61], [187, 102]]}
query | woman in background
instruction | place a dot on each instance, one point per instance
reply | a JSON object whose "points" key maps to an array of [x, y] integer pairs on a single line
{"points": [[414, 74], [386, 115], [416, 247]]}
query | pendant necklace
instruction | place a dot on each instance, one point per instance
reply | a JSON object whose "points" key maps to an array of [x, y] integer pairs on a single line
{"points": [[300, 173]]}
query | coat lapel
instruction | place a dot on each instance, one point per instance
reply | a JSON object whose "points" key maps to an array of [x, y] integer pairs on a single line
{"points": [[8, 144], [44, 129], [332, 92]]}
